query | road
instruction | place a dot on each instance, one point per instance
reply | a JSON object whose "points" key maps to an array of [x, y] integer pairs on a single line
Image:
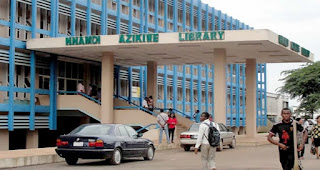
{"points": [[241, 158]]}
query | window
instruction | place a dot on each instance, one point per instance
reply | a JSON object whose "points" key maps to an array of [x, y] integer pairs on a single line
{"points": [[123, 131], [132, 132], [222, 128], [92, 130]]}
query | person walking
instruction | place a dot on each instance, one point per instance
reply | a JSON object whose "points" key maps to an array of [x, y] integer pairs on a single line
{"points": [[300, 138], [315, 136], [285, 131], [207, 152], [162, 120], [172, 122]]}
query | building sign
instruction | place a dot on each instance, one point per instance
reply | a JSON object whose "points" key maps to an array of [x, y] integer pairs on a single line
{"points": [[87, 40], [138, 38], [135, 91], [283, 41], [201, 36], [293, 46]]}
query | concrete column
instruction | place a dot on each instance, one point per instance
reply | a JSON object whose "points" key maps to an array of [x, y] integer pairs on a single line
{"points": [[107, 87], [220, 61], [4, 140], [32, 139], [152, 74], [251, 87]]}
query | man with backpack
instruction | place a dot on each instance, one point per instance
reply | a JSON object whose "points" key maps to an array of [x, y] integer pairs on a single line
{"points": [[208, 138]]}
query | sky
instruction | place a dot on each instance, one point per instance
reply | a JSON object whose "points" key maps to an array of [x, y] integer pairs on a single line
{"points": [[297, 20]]}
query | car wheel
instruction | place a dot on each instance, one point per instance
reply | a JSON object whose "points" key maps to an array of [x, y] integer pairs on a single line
{"points": [[71, 161], [220, 148], [186, 148], [116, 157], [233, 143], [150, 153]]}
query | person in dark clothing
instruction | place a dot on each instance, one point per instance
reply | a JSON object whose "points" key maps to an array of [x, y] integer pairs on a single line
{"points": [[285, 131]]}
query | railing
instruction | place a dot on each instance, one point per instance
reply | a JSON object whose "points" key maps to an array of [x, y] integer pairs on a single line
{"points": [[146, 127], [176, 111], [23, 122], [82, 94], [135, 106]]}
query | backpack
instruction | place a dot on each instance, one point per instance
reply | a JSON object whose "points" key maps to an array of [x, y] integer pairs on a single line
{"points": [[213, 136]]}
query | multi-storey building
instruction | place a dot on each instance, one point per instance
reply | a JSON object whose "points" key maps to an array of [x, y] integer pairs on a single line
{"points": [[28, 78]]}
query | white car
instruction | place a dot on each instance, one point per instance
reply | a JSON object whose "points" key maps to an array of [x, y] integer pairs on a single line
{"points": [[188, 139]]}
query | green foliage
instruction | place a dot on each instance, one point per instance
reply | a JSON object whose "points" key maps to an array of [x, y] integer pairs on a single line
{"points": [[304, 84]]}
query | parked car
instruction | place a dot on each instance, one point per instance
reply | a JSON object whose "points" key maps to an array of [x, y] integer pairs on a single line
{"points": [[188, 139], [104, 141]]}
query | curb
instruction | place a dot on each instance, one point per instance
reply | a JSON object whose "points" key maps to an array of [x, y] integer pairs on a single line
{"points": [[29, 160]]}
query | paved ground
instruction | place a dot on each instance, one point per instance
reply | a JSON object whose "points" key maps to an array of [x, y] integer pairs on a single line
{"points": [[241, 158]]}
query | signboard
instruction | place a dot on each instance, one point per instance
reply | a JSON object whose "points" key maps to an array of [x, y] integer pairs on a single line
{"points": [[293, 46], [138, 38], [201, 36], [135, 91], [87, 40]]}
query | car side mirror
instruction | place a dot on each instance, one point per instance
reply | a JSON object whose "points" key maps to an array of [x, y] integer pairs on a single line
{"points": [[140, 135]]}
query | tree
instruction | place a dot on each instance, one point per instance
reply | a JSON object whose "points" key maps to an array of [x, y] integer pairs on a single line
{"points": [[304, 83]]}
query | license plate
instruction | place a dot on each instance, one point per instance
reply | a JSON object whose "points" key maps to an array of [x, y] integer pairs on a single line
{"points": [[77, 143], [195, 136]]}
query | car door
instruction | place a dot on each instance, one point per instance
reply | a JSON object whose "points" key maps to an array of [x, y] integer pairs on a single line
{"points": [[138, 145], [223, 133], [124, 140], [229, 134]]}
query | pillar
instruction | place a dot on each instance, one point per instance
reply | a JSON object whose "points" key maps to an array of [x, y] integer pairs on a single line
{"points": [[107, 87], [32, 139], [251, 87], [4, 140], [220, 61], [152, 73]]}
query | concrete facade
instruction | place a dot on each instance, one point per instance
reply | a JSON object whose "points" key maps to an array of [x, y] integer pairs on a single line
{"points": [[276, 102]]}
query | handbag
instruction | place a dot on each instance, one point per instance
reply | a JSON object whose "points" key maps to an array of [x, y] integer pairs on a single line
{"points": [[313, 149]]}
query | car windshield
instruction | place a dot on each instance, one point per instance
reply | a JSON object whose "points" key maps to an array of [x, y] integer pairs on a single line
{"points": [[91, 130], [194, 127]]}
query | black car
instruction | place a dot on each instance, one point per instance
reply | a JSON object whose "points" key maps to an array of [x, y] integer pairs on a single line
{"points": [[104, 141]]}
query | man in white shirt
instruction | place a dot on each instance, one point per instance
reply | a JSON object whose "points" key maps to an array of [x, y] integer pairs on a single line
{"points": [[80, 87], [207, 152], [162, 120], [145, 103]]}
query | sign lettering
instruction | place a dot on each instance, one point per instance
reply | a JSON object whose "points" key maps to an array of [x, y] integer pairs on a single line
{"points": [[201, 36], [283, 41], [138, 38], [95, 39]]}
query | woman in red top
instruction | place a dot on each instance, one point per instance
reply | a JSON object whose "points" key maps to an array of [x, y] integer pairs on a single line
{"points": [[172, 125]]}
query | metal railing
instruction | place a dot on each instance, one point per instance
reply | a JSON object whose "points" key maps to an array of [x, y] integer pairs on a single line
{"points": [[146, 127], [82, 94], [135, 106]]}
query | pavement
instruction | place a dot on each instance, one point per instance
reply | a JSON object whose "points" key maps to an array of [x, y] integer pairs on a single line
{"points": [[263, 157]]}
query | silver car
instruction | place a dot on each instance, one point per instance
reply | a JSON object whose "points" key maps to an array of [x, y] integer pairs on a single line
{"points": [[188, 139]]}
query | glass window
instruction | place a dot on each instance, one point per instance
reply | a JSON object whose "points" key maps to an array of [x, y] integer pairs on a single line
{"points": [[92, 130], [222, 128], [123, 131], [68, 67], [131, 131], [194, 127]]}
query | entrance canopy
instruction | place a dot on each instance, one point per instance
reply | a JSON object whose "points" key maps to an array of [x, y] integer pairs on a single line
{"points": [[178, 48]]}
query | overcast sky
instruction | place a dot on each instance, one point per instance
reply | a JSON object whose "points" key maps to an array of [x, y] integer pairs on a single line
{"points": [[298, 20]]}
